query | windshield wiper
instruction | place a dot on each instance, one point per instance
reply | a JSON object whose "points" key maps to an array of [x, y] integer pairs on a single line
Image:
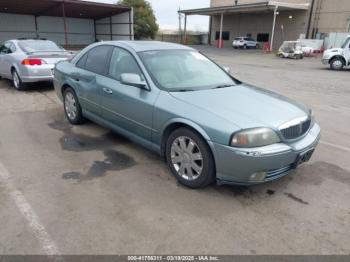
{"points": [[223, 86]]}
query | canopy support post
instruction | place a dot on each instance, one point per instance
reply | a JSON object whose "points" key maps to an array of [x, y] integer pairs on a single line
{"points": [[275, 13]]}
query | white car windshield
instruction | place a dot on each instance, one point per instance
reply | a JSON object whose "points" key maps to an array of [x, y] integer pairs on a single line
{"points": [[346, 43], [184, 70]]}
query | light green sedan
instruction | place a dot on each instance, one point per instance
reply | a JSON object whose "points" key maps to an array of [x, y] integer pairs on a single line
{"points": [[175, 101]]}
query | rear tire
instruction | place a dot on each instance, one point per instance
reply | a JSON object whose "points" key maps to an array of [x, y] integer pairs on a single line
{"points": [[17, 81], [72, 107], [337, 64], [190, 159]]}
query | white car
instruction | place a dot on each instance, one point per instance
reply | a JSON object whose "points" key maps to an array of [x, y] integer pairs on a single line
{"points": [[30, 60], [338, 58], [244, 42]]}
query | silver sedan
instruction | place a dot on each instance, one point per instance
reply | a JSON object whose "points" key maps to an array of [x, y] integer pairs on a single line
{"points": [[30, 60]]}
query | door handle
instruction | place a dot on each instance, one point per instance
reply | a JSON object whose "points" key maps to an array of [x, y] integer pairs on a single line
{"points": [[107, 90]]}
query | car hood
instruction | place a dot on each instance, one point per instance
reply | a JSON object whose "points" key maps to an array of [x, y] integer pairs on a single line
{"points": [[333, 50], [246, 106]]}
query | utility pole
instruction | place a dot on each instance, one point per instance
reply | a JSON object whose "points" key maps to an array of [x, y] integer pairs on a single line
{"points": [[180, 34]]}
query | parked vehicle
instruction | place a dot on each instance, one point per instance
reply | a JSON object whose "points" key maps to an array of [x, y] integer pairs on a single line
{"points": [[177, 102], [307, 50], [244, 42], [291, 49], [30, 60], [338, 58]]}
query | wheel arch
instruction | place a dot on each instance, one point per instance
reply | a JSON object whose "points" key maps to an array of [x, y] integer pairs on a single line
{"points": [[337, 56], [14, 67], [64, 87], [183, 123]]}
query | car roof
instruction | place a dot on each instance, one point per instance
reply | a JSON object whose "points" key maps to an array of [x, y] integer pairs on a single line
{"points": [[141, 46]]}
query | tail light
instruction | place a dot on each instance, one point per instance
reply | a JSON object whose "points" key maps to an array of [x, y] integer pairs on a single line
{"points": [[32, 61]]}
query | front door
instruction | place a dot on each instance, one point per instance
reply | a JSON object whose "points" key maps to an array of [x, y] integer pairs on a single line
{"points": [[347, 52], [127, 107]]}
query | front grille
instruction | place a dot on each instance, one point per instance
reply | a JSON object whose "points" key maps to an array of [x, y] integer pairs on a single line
{"points": [[296, 131]]}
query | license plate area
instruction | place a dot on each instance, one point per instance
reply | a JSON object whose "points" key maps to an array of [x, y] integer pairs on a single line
{"points": [[304, 157]]}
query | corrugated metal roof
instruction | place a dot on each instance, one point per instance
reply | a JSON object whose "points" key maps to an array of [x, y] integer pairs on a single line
{"points": [[73, 8], [246, 8]]}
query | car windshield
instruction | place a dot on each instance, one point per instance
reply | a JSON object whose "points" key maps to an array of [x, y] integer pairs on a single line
{"points": [[184, 70], [39, 46], [347, 41]]}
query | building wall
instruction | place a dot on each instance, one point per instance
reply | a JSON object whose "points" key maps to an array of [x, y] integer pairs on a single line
{"points": [[253, 24], [330, 16], [120, 25], [327, 15], [80, 31]]}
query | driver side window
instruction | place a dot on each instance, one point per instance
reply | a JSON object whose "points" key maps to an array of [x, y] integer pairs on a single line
{"points": [[123, 62]]}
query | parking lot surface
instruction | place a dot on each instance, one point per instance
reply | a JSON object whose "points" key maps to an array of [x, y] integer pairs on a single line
{"points": [[85, 190]]}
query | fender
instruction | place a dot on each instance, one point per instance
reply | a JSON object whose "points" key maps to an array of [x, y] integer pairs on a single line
{"points": [[186, 122], [189, 123]]}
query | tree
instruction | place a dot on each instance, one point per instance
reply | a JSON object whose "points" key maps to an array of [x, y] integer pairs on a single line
{"points": [[145, 24]]}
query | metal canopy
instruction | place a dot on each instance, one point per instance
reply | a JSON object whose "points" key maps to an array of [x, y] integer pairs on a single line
{"points": [[72, 8], [267, 6]]}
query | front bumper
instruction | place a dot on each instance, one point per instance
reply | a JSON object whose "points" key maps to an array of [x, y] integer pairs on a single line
{"points": [[237, 165], [325, 61], [31, 74]]}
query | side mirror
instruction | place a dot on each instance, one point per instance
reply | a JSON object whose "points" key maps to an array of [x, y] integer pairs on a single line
{"points": [[133, 80], [227, 69]]}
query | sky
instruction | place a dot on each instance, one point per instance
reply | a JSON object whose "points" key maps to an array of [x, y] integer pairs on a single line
{"points": [[167, 17]]}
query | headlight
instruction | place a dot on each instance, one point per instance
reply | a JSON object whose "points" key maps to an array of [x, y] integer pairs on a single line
{"points": [[255, 138]]}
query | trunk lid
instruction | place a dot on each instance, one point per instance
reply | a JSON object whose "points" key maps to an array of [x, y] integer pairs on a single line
{"points": [[52, 57]]}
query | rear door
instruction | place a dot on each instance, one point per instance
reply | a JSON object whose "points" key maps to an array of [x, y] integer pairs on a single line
{"points": [[89, 72]]}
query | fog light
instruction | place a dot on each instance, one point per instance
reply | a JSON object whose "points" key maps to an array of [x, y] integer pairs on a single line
{"points": [[257, 177]]}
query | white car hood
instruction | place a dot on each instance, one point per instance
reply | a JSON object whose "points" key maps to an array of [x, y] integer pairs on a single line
{"points": [[333, 50]]}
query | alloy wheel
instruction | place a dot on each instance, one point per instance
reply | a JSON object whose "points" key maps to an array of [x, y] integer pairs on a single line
{"points": [[186, 158], [70, 105], [15, 79]]}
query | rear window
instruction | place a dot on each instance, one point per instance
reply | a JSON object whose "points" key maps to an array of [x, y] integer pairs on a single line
{"points": [[39, 46], [97, 59]]}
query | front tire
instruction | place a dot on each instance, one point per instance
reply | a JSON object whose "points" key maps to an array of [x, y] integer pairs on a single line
{"points": [[72, 107], [17, 81], [337, 64], [190, 159]]}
